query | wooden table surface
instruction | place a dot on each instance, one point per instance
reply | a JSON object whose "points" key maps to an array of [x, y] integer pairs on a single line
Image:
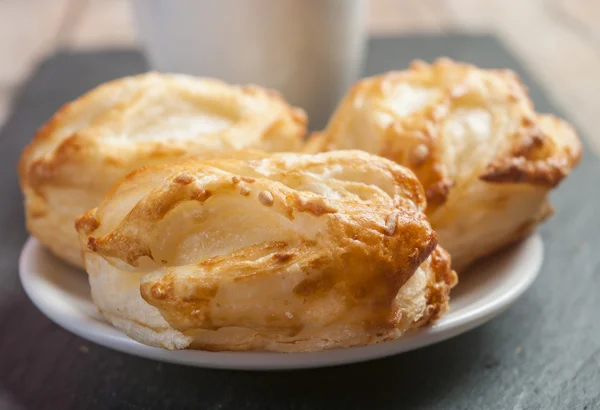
{"points": [[557, 40]]}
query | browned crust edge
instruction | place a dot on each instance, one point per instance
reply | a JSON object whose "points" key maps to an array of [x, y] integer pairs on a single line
{"points": [[438, 287]]}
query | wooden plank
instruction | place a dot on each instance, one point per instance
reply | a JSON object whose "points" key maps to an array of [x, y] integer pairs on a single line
{"points": [[102, 24], [29, 30]]}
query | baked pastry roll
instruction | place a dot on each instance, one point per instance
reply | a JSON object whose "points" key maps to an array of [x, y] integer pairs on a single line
{"points": [[486, 159], [152, 118], [280, 252]]}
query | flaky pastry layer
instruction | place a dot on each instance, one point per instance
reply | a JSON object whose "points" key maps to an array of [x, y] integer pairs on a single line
{"points": [[280, 252], [486, 159], [136, 121]]}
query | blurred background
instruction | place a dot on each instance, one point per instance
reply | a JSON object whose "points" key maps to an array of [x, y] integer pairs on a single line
{"points": [[557, 40]]}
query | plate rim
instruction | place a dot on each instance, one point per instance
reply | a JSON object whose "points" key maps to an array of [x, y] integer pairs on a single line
{"points": [[443, 330]]}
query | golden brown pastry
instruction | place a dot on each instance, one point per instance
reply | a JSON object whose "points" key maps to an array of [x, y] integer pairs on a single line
{"points": [[487, 160], [278, 252], [152, 118]]}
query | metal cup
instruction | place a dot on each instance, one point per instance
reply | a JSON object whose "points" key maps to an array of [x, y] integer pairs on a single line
{"points": [[309, 50]]}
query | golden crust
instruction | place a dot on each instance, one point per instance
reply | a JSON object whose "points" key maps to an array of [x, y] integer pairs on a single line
{"points": [[541, 160], [134, 121], [473, 139], [283, 252], [440, 281]]}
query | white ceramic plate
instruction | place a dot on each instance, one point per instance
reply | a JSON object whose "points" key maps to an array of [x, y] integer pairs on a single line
{"points": [[62, 293]]}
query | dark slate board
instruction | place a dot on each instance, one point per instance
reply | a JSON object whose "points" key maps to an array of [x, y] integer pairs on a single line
{"points": [[543, 353]]}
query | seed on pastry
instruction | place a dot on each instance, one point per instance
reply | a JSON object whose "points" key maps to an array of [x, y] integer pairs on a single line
{"points": [[265, 198], [486, 159], [390, 223], [147, 119], [335, 252], [419, 154], [184, 179]]}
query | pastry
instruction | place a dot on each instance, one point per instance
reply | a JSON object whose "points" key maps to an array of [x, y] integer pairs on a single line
{"points": [[147, 119], [278, 252], [486, 159]]}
